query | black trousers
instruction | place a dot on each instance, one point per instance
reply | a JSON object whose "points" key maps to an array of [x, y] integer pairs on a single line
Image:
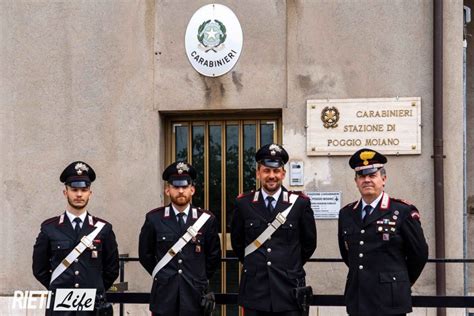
{"points": [[252, 312], [381, 315]]}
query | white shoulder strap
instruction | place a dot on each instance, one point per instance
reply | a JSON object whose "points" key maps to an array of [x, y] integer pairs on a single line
{"points": [[85, 242], [182, 241], [279, 220]]}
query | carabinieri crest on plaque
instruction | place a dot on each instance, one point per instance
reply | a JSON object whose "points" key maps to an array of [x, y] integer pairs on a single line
{"points": [[211, 35]]}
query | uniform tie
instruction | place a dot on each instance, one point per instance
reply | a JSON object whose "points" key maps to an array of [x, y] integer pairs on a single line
{"points": [[181, 221], [366, 212], [270, 207], [77, 228]]}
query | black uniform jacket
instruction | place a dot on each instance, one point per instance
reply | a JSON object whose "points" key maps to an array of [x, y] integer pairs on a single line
{"points": [[94, 268], [385, 256], [271, 272], [185, 278]]}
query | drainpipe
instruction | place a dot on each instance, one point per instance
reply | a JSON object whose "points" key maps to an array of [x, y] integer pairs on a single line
{"points": [[466, 21], [438, 155]]}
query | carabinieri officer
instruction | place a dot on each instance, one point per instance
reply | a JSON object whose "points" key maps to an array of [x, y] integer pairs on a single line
{"points": [[95, 266], [272, 264], [180, 247], [381, 241]]}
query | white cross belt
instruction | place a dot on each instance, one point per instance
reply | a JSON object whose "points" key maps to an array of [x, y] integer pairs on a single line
{"points": [[182, 241], [86, 242], [279, 220]]}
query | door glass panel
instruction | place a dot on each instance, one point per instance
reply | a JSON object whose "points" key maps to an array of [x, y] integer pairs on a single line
{"points": [[198, 164], [215, 193], [266, 133], [215, 172], [232, 170], [249, 157], [181, 142]]}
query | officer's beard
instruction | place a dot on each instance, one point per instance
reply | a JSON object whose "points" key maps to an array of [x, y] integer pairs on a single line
{"points": [[76, 206]]}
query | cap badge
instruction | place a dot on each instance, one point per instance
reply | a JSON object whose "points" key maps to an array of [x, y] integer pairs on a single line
{"points": [[366, 155], [80, 168], [182, 167], [274, 148]]}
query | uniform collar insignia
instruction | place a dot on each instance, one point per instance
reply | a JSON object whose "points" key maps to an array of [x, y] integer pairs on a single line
{"points": [[385, 204], [91, 220], [167, 212], [255, 196], [61, 219], [356, 205], [285, 196], [195, 213]]}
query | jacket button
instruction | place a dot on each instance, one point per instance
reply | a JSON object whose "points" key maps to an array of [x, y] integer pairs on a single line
{"points": [[361, 267], [164, 238], [76, 285], [76, 260], [180, 261], [361, 242], [361, 255], [269, 263], [362, 231], [251, 224], [76, 272], [394, 278], [180, 271], [269, 249]]}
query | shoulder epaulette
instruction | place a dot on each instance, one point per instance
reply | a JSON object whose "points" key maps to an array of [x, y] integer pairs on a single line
{"points": [[241, 195], [351, 205], [402, 201], [301, 194], [100, 219], [156, 210], [205, 211], [50, 220]]}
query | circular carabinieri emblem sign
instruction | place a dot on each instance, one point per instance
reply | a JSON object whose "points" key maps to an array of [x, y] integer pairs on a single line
{"points": [[213, 40], [330, 116]]}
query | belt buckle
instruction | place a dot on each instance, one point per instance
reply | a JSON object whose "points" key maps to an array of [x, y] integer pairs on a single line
{"points": [[192, 231], [86, 241], [281, 218]]}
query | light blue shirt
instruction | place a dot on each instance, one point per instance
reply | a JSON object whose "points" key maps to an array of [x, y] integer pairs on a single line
{"points": [[373, 204], [276, 196], [186, 212], [72, 217]]}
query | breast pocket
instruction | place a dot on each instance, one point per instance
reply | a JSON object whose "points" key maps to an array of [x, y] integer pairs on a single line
{"points": [[349, 235], [289, 229], [252, 228], [61, 245], [164, 241]]}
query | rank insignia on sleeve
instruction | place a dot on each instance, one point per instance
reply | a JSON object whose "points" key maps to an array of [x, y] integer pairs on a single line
{"points": [[415, 215]]}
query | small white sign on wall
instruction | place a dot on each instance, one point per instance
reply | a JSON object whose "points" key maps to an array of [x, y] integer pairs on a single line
{"points": [[325, 205]]}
